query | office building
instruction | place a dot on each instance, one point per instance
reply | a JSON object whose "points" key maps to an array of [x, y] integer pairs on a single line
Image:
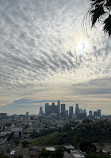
{"points": [[58, 107], [90, 113], [53, 108], [27, 113], [99, 112], [62, 110], [70, 111], [47, 109], [95, 114], [77, 111], [84, 111], [80, 111]]}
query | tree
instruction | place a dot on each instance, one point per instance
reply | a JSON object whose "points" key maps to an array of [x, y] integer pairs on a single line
{"points": [[96, 155], [10, 136], [59, 153], [16, 141], [87, 147], [3, 156], [44, 153], [101, 10], [25, 144]]}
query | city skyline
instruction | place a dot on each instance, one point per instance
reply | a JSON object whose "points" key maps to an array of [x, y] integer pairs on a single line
{"points": [[60, 110], [48, 53], [35, 109]]}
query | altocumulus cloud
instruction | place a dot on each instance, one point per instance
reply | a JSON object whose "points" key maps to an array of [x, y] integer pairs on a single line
{"points": [[38, 42]]}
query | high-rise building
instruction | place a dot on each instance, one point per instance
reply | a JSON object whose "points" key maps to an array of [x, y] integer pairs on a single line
{"points": [[40, 109], [77, 111], [27, 113], [47, 109], [80, 111], [70, 111], [90, 113], [62, 110], [53, 108], [95, 114], [99, 112], [58, 107], [82, 116], [84, 111]]}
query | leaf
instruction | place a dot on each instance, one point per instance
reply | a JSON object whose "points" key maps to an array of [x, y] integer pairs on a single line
{"points": [[107, 25], [108, 4], [96, 13], [94, 2]]}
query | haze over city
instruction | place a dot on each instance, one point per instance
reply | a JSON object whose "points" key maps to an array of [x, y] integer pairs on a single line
{"points": [[49, 53]]}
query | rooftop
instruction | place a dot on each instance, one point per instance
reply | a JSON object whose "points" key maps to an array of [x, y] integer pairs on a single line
{"points": [[50, 148], [69, 147]]}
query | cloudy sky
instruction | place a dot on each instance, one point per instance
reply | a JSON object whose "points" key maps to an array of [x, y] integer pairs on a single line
{"points": [[47, 52]]}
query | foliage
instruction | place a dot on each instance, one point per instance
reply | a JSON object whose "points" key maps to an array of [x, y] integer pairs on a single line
{"points": [[3, 156], [10, 136], [67, 128], [25, 144], [35, 134], [20, 156], [44, 153], [16, 141], [87, 147], [95, 155], [59, 153], [87, 121], [94, 132], [26, 126], [57, 138], [99, 132], [101, 10]]}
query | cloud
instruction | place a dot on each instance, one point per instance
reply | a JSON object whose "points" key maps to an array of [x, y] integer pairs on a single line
{"points": [[38, 47], [94, 87]]}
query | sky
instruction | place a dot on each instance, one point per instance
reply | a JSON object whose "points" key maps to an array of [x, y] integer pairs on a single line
{"points": [[48, 52]]}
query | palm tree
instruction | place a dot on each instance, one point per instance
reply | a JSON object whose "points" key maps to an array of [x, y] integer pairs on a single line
{"points": [[101, 11]]}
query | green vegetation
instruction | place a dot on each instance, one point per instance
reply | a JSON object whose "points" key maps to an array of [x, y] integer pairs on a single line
{"points": [[94, 132], [99, 132], [95, 155], [16, 141], [25, 144], [87, 147], [3, 156], [35, 134], [10, 136], [57, 138], [59, 153], [44, 153], [101, 11]]}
